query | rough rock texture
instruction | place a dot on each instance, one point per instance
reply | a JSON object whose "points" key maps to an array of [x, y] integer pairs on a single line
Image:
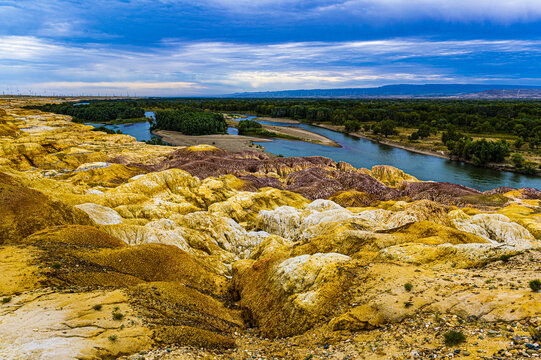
{"points": [[25, 211], [110, 247]]}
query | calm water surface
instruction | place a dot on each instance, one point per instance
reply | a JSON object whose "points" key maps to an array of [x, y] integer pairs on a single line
{"points": [[365, 153], [140, 131]]}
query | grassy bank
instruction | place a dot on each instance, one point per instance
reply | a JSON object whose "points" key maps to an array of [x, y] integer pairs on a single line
{"points": [[433, 145]]}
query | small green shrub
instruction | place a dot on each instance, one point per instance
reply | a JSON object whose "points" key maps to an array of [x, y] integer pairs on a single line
{"points": [[505, 257], [112, 338], [6, 300], [535, 285], [408, 304], [97, 307], [56, 266], [453, 338], [118, 316], [408, 286]]}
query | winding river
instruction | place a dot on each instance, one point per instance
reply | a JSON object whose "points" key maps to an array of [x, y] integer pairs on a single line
{"points": [[366, 153]]}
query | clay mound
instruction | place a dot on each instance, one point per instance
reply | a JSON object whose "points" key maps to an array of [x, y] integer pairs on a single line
{"points": [[528, 193], [184, 315], [220, 162], [531, 193], [110, 176], [25, 211], [443, 192], [78, 235], [483, 200], [7, 129], [158, 262], [353, 198], [429, 233], [209, 163], [253, 183], [317, 183], [315, 177], [286, 297], [391, 176], [121, 267], [499, 190]]}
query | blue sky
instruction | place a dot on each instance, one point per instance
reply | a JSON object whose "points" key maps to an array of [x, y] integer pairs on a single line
{"points": [[210, 47]]}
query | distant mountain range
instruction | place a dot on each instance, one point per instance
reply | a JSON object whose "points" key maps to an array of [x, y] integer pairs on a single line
{"points": [[472, 91], [507, 94]]}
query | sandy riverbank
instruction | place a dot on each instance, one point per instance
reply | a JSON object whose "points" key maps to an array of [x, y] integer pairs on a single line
{"points": [[225, 142], [301, 134], [304, 135], [286, 121], [264, 118], [385, 142]]}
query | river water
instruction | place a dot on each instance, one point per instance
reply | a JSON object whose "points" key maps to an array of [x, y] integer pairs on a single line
{"points": [[366, 153]]}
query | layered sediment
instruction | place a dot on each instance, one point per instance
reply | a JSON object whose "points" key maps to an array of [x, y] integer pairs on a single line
{"points": [[111, 247]]}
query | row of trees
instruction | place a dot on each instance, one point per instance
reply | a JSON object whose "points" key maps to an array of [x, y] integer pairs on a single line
{"points": [[194, 116], [480, 116], [95, 111], [520, 118], [251, 127], [480, 152], [189, 122]]}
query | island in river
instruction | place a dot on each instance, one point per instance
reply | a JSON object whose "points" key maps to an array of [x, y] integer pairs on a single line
{"points": [[223, 141], [234, 142]]}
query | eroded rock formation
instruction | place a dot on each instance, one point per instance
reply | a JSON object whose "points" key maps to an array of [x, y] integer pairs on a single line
{"points": [[109, 247]]}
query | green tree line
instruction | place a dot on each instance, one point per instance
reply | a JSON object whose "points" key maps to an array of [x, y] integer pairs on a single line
{"points": [[104, 111], [189, 122], [521, 118]]}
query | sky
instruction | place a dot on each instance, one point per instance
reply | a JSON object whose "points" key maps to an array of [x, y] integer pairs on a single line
{"points": [[213, 47]]}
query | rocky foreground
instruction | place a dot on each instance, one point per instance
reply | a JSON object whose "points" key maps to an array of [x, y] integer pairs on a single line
{"points": [[110, 247]]}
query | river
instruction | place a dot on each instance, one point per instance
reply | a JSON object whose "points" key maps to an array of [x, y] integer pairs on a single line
{"points": [[140, 131], [366, 153]]}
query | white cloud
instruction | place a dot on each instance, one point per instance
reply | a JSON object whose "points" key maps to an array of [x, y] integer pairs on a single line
{"points": [[294, 79], [131, 85], [26, 48], [188, 68], [378, 10]]}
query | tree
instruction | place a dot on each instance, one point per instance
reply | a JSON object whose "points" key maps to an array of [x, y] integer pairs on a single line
{"points": [[246, 127], [424, 131], [518, 161], [450, 135], [479, 151], [386, 128], [352, 125], [414, 136], [190, 122]]}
